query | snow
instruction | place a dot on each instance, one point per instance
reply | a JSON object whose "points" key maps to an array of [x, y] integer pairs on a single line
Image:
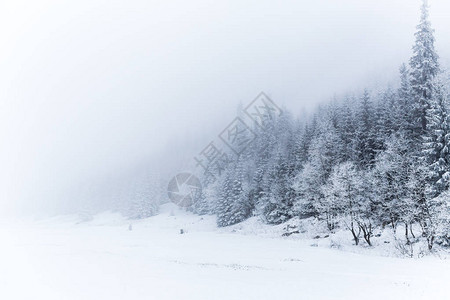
{"points": [[68, 258]]}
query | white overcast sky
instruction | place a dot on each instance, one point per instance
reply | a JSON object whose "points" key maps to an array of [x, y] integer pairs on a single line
{"points": [[91, 87]]}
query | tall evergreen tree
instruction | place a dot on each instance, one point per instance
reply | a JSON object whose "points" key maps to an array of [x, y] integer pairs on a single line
{"points": [[347, 130], [323, 154], [391, 175], [436, 146], [404, 104], [424, 68], [366, 142], [386, 122], [225, 203]]}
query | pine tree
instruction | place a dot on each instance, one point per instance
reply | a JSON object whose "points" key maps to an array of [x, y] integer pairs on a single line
{"points": [[278, 206], [278, 209], [241, 205], [201, 205], [386, 119], [304, 137], [366, 142], [391, 175], [325, 152], [404, 111], [424, 68], [224, 203], [437, 159], [436, 146], [440, 218], [346, 130], [233, 206]]}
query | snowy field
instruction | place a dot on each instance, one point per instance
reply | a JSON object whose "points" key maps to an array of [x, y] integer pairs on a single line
{"points": [[63, 258]]}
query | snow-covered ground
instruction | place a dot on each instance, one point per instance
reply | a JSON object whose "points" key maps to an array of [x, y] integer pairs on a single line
{"points": [[63, 258]]}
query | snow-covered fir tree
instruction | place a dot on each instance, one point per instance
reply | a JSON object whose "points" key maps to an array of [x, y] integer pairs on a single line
{"points": [[424, 66], [436, 146]]}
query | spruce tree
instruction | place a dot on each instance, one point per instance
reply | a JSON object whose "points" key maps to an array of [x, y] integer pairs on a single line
{"points": [[436, 144], [424, 68], [366, 142], [224, 203], [346, 131], [391, 175], [404, 109]]}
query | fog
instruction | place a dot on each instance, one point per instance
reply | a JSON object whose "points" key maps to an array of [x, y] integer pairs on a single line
{"points": [[94, 89]]}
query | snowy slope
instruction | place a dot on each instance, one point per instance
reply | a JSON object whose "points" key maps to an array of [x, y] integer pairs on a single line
{"points": [[63, 258]]}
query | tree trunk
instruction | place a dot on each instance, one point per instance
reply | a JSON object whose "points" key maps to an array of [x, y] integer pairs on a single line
{"points": [[406, 234], [430, 241], [411, 230], [367, 232], [355, 236], [394, 226]]}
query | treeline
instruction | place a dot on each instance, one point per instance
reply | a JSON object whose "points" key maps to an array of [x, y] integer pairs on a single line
{"points": [[360, 163]]}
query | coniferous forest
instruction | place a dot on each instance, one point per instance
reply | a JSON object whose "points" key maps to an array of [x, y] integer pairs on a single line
{"points": [[373, 160], [217, 150]]}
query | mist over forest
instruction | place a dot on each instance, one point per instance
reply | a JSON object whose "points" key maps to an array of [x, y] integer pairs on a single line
{"points": [[224, 150]]}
